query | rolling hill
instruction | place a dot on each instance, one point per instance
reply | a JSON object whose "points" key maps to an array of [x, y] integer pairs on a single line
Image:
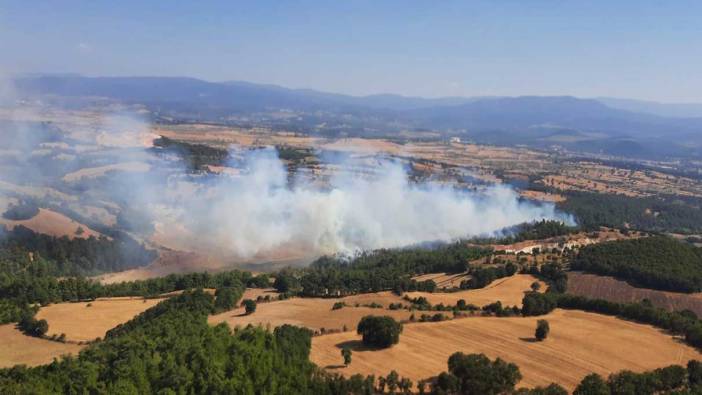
{"points": [[586, 125]]}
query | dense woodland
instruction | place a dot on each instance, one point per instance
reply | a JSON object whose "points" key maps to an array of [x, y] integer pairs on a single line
{"points": [[651, 262], [379, 270], [543, 229], [29, 279], [21, 212], [77, 256], [195, 156], [171, 349], [662, 214]]}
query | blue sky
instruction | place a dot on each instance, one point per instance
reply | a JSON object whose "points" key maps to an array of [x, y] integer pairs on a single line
{"points": [[636, 49]]}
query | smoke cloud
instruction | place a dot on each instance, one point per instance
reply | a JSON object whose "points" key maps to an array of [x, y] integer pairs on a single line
{"points": [[258, 212]]}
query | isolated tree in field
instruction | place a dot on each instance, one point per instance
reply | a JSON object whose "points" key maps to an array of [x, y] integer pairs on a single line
{"points": [[379, 331], [250, 306], [542, 330], [535, 286], [346, 353]]}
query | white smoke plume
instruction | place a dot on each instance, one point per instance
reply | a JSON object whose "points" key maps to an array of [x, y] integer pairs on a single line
{"points": [[258, 213]]}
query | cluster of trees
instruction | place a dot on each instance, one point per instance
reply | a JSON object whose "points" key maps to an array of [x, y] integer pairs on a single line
{"points": [[196, 156], [482, 276], [544, 229], [670, 379], [652, 262], [29, 325], [664, 214], [379, 331], [78, 256], [535, 303], [293, 154], [553, 274], [226, 298], [19, 212], [477, 374], [386, 269]]}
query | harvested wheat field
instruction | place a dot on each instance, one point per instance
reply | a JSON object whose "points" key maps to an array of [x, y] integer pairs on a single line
{"points": [[579, 343], [82, 323], [313, 313], [443, 280], [254, 293], [609, 288], [19, 349], [53, 224], [508, 290]]}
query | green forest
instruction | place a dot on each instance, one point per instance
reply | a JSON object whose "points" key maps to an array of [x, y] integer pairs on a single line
{"points": [[651, 262], [661, 214], [387, 269], [77, 256]]}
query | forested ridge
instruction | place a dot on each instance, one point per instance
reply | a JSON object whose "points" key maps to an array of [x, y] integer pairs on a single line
{"points": [[380, 270], [78, 256], [651, 262], [660, 213]]}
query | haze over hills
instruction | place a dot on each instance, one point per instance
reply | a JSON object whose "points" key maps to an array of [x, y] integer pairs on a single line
{"points": [[608, 126], [683, 110]]}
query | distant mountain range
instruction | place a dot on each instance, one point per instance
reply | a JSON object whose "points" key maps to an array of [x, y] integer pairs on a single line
{"points": [[604, 125]]}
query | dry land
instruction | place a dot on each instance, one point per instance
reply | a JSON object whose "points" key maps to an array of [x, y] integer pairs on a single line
{"points": [[82, 323], [509, 291], [314, 313], [53, 224], [580, 343], [19, 349], [443, 280], [609, 288]]}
